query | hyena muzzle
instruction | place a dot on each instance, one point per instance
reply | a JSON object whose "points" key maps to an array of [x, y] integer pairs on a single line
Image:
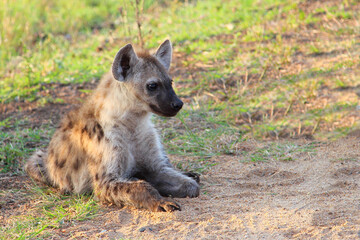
{"points": [[110, 147]]}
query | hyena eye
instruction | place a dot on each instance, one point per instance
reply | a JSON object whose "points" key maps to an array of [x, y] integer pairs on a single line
{"points": [[152, 86]]}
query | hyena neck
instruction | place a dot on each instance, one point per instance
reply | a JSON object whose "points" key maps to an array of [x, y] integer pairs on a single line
{"points": [[119, 105]]}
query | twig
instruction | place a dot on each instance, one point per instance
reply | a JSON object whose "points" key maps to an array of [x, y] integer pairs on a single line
{"points": [[315, 127], [139, 12], [299, 128], [262, 74], [289, 107]]}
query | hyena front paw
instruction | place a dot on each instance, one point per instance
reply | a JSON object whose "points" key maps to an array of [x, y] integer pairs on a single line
{"points": [[189, 189], [168, 206], [193, 175]]}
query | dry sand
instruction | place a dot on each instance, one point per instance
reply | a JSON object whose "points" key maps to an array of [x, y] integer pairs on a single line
{"points": [[317, 196]]}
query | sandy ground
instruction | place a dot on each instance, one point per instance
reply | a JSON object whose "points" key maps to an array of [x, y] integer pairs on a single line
{"points": [[317, 196]]}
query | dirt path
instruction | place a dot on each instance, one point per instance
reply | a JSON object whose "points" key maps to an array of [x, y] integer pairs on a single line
{"points": [[317, 196]]}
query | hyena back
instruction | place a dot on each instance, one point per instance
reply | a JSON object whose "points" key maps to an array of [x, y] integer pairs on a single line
{"points": [[110, 147]]}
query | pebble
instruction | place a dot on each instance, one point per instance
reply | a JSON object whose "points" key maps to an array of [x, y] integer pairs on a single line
{"points": [[144, 228]]}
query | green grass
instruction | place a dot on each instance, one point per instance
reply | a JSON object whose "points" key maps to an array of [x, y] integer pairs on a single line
{"points": [[241, 57], [242, 74], [56, 42], [18, 143], [202, 136], [50, 210], [279, 152], [33, 24]]}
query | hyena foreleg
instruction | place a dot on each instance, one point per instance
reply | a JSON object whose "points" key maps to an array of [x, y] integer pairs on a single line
{"points": [[170, 182], [113, 183]]}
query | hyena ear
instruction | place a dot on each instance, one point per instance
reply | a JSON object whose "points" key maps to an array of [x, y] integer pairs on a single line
{"points": [[125, 59], [164, 53]]}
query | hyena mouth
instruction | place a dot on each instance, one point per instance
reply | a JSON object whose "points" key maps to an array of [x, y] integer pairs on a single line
{"points": [[166, 113]]}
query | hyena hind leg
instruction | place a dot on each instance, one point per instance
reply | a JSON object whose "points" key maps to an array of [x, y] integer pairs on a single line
{"points": [[35, 167], [139, 194]]}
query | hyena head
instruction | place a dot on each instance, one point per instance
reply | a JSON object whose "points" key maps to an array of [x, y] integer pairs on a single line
{"points": [[147, 77]]}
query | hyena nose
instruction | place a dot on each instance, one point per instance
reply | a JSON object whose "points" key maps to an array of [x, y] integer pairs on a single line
{"points": [[177, 105]]}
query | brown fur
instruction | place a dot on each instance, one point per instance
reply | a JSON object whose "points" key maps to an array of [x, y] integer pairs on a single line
{"points": [[109, 146]]}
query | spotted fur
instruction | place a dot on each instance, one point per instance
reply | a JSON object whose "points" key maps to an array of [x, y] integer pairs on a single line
{"points": [[109, 145]]}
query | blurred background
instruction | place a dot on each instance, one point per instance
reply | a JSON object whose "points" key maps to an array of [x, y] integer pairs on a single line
{"points": [[269, 69]]}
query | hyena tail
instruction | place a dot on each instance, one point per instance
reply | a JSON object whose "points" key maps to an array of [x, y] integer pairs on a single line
{"points": [[35, 167]]}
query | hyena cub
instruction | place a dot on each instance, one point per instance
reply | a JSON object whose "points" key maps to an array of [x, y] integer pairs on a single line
{"points": [[109, 145]]}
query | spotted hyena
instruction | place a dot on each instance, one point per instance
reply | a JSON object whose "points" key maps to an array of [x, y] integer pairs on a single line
{"points": [[109, 145]]}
